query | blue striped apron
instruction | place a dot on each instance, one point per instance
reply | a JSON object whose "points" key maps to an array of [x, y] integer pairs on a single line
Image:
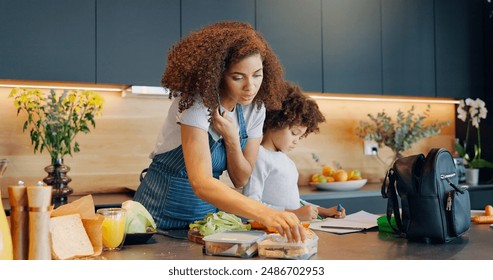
{"points": [[166, 192]]}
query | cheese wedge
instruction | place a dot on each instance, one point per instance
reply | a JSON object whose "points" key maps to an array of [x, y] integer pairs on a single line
{"points": [[69, 238]]}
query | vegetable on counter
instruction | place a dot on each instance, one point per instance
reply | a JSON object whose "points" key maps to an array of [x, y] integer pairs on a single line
{"points": [[482, 219], [488, 210], [487, 218], [217, 222], [139, 220]]}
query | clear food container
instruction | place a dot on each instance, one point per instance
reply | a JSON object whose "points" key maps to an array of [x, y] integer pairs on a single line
{"points": [[233, 243], [276, 246]]}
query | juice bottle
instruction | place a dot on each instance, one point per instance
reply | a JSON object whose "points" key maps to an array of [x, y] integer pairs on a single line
{"points": [[6, 252]]}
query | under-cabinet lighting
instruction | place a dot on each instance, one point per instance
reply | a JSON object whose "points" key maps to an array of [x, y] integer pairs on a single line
{"points": [[384, 99], [61, 87], [149, 90], [146, 91]]}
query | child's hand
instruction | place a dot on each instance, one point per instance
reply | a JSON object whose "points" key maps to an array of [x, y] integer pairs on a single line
{"points": [[332, 212], [306, 213]]}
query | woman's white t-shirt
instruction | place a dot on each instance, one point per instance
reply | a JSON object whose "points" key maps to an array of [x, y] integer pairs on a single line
{"points": [[198, 115]]}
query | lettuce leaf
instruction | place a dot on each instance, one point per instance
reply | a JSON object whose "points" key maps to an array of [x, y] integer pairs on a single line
{"points": [[217, 222], [138, 218]]}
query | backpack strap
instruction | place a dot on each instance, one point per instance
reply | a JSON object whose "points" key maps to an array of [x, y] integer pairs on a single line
{"points": [[389, 191]]}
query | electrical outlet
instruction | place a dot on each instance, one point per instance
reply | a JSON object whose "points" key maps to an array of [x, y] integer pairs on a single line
{"points": [[370, 148]]}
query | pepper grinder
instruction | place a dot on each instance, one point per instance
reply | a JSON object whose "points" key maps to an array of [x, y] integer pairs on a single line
{"points": [[39, 200], [19, 220]]}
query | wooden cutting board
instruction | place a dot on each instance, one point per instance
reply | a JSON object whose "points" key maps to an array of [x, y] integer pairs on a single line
{"points": [[195, 236]]}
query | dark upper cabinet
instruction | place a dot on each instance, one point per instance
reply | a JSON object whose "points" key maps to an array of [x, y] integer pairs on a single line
{"points": [[196, 14], [390, 47], [47, 40], [352, 56], [459, 48], [408, 47], [293, 28], [133, 38]]}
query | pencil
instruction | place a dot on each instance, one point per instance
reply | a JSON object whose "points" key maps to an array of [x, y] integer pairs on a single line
{"points": [[339, 207], [341, 227]]}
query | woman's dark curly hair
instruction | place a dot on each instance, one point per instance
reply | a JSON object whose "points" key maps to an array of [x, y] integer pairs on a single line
{"points": [[297, 110], [196, 64]]}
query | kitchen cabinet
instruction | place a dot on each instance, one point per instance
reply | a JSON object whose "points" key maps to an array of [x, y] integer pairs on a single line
{"points": [[197, 14], [459, 48], [133, 38], [351, 37], [293, 28], [390, 47], [48, 40], [408, 50]]}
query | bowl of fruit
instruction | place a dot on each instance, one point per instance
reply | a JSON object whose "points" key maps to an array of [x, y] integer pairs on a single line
{"points": [[332, 179]]}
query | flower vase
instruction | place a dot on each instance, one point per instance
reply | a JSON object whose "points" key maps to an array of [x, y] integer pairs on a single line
{"points": [[57, 178], [472, 176]]}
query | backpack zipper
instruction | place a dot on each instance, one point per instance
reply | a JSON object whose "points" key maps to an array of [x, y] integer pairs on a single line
{"points": [[447, 178], [449, 202]]}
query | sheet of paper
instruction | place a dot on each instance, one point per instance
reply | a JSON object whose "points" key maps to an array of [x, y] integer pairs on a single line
{"points": [[361, 219]]}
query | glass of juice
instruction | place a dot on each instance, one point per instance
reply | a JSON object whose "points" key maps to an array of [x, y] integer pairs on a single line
{"points": [[113, 228]]}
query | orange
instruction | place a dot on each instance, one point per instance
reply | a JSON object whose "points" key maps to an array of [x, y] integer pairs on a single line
{"points": [[340, 175], [354, 174], [328, 170], [330, 179], [314, 178]]}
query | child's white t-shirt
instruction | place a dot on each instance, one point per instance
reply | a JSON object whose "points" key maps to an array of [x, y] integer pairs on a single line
{"points": [[274, 181]]}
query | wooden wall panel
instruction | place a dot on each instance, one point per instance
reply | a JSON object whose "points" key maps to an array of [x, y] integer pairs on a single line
{"points": [[113, 154]]}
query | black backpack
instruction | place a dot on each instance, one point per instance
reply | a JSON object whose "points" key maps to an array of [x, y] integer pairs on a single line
{"points": [[434, 209]]}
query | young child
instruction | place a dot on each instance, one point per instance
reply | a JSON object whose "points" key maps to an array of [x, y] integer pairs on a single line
{"points": [[274, 180]]}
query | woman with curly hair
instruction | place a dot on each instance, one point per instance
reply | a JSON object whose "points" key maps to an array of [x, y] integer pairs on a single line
{"points": [[274, 180], [223, 78]]}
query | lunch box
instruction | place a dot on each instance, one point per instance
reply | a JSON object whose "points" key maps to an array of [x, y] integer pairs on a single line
{"points": [[234, 243], [275, 246]]}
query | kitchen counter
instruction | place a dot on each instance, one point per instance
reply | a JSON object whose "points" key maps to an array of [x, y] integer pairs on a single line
{"points": [[368, 245], [475, 244]]}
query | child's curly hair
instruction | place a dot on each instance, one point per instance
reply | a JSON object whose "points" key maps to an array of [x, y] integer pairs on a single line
{"points": [[196, 64], [297, 109]]}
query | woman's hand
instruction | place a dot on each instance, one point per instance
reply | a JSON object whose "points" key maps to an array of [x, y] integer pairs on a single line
{"points": [[332, 212], [286, 223], [240, 162], [306, 213], [225, 126]]}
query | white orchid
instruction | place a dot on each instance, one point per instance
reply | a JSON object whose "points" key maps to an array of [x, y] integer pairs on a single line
{"points": [[472, 111]]}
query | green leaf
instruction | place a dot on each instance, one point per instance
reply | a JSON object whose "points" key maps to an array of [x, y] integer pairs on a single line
{"points": [[217, 222], [480, 163], [459, 149]]}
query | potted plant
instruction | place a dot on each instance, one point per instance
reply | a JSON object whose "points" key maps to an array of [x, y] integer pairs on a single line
{"points": [[53, 121], [471, 112], [399, 135]]}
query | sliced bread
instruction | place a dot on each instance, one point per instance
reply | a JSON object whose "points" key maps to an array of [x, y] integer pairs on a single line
{"points": [[69, 238]]}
